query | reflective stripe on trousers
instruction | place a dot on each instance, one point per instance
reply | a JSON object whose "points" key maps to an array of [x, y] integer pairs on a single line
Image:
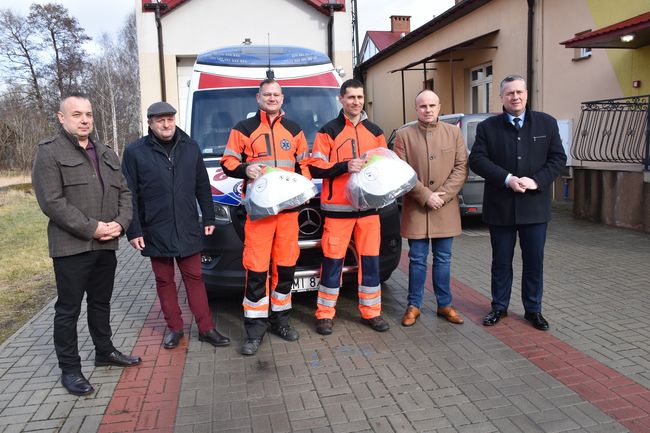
{"points": [[270, 239], [336, 237]]}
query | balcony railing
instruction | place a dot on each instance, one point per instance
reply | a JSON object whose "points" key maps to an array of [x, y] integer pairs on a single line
{"points": [[614, 130]]}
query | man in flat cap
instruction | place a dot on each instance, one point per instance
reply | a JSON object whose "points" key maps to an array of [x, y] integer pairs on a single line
{"points": [[167, 177]]}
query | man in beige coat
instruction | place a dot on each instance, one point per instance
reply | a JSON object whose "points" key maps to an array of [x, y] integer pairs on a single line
{"points": [[430, 213]]}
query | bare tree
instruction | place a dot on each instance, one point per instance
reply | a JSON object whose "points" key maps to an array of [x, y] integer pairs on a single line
{"points": [[64, 38], [24, 126], [20, 47], [114, 84], [46, 59]]}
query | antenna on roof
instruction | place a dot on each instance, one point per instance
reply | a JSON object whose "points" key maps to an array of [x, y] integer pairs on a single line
{"points": [[269, 73]]}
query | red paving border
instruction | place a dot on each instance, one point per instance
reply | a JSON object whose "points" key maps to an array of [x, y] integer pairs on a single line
{"points": [[618, 396], [146, 397]]}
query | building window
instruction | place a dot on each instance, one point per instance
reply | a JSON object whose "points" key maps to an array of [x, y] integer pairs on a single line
{"points": [[581, 53], [480, 82]]}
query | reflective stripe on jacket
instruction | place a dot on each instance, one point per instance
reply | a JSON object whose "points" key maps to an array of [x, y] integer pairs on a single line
{"points": [[337, 142], [280, 143]]}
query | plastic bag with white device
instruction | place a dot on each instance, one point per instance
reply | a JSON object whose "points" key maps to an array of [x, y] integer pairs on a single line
{"points": [[383, 178], [276, 190]]}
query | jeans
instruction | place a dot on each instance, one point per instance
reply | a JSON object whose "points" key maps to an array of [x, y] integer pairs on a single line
{"points": [[441, 272]]}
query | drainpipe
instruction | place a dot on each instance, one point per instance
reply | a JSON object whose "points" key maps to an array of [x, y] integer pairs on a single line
{"points": [[529, 53], [157, 7], [331, 7]]}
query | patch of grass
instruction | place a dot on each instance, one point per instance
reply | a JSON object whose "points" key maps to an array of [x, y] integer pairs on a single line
{"points": [[26, 276]]}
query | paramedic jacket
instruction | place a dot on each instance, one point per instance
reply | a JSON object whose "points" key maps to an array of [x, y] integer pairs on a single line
{"points": [[337, 142], [280, 144]]}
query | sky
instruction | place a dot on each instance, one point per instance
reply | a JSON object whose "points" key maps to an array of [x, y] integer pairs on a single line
{"points": [[373, 14], [87, 12]]}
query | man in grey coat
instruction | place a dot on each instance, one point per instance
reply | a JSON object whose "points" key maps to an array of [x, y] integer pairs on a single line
{"points": [[80, 188]]}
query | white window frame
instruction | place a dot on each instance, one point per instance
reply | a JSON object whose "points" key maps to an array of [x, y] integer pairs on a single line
{"points": [[486, 82]]}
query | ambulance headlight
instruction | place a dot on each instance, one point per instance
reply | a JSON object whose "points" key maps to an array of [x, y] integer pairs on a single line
{"points": [[221, 213]]}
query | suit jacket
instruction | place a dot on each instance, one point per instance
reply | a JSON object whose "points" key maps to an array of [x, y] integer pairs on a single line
{"points": [[70, 194], [534, 151], [438, 155]]}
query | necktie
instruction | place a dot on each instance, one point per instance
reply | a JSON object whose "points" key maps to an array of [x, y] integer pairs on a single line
{"points": [[516, 121]]}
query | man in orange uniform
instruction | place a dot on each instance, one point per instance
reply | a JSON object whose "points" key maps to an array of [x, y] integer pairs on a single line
{"points": [[336, 153], [267, 139]]}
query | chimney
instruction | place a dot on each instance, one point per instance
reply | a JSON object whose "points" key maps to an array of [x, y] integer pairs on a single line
{"points": [[400, 24]]}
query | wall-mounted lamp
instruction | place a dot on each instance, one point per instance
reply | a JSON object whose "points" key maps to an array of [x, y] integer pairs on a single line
{"points": [[627, 38]]}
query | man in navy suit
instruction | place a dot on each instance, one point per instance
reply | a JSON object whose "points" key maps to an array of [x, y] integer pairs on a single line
{"points": [[519, 153]]}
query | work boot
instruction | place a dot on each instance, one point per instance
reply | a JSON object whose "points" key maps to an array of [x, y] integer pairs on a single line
{"points": [[324, 326], [377, 323], [250, 346], [285, 332]]}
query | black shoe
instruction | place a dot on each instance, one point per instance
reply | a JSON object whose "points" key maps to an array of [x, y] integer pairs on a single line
{"points": [[537, 320], [250, 346], [172, 339], [377, 323], [213, 337], [324, 326], [285, 332], [118, 359], [494, 316], [76, 383]]}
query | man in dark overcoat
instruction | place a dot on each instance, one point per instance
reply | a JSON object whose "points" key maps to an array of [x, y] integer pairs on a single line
{"points": [[519, 153], [167, 176]]}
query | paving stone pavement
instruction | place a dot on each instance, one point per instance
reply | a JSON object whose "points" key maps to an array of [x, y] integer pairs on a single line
{"points": [[432, 377]]}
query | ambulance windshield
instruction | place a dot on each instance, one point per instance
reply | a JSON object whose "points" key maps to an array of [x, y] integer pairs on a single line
{"points": [[215, 112]]}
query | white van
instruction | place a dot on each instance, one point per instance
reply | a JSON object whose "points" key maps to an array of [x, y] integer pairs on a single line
{"points": [[222, 92]]}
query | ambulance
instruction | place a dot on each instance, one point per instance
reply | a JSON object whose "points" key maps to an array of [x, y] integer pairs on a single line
{"points": [[221, 93]]}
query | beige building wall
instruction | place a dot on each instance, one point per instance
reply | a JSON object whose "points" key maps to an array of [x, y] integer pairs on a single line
{"points": [[493, 22], [560, 83], [202, 25]]}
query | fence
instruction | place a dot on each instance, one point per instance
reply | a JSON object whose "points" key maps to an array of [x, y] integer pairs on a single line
{"points": [[614, 130]]}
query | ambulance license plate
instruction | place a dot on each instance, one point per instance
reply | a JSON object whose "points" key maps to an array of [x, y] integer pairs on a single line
{"points": [[303, 284]]}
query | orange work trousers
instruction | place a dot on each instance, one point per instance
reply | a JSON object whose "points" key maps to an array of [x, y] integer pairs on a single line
{"points": [[336, 237], [272, 239]]}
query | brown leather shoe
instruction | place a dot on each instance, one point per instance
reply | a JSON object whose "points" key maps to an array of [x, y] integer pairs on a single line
{"points": [[410, 316], [450, 314]]}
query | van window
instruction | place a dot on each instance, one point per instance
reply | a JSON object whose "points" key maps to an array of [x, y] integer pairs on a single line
{"points": [[471, 133], [215, 112]]}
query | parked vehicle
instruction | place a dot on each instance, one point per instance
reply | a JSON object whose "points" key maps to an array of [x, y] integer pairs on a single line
{"points": [[470, 197], [221, 93]]}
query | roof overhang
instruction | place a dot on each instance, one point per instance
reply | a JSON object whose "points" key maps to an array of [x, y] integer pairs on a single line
{"points": [[322, 6], [447, 53], [611, 36], [452, 14]]}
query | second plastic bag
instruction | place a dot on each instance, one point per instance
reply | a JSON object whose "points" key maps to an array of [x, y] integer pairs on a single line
{"points": [[383, 178]]}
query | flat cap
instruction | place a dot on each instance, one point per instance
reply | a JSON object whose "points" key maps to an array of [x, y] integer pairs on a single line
{"points": [[159, 108]]}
